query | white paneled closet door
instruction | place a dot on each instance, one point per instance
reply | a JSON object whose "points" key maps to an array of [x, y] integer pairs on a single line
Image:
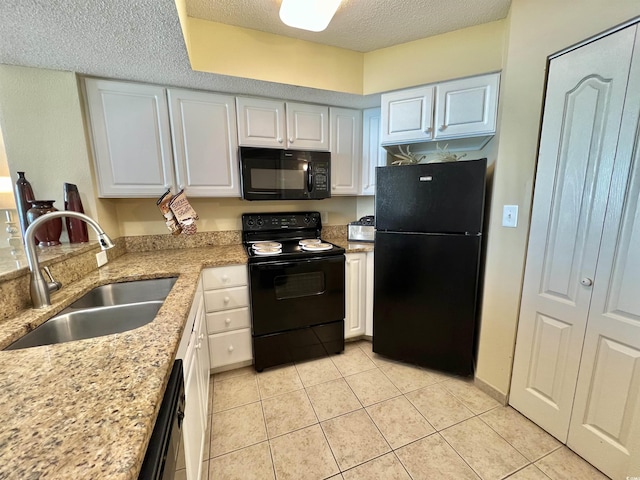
{"points": [[583, 110], [605, 423]]}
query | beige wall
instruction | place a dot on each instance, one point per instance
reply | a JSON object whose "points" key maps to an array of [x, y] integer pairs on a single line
{"points": [[42, 122], [536, 29], [462, 53], [142, 217]]}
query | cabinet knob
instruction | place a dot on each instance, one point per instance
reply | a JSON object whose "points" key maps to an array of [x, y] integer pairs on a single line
{"points": [[199, 345], [586, 281], [427, 130], [181, 186], [291, 139], [333, 187], [443, 127], [225, 278], [230, 348], [279, 139], [227, 321], [201, 336], [226, 299]]}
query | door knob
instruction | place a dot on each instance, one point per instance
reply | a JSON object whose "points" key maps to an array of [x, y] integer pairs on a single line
{"points": [[586, 281]]}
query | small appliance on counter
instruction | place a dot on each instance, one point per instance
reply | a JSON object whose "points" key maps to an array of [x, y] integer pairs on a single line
{"points": [[363, 230]]}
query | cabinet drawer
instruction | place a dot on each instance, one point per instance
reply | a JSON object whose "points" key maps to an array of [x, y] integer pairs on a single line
{"points": [[226, 298], [230, 347], [228, 320], [222, 277]]}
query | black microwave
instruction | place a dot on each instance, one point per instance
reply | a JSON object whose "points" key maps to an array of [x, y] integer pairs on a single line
{"points": [[277, 174]]}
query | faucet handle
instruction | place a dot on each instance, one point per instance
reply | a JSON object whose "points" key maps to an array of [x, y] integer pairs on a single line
{"points": [[53, 285]]}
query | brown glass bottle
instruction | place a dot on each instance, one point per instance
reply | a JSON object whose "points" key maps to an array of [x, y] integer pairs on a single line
{"points": [[76, 228], [24, 197]]}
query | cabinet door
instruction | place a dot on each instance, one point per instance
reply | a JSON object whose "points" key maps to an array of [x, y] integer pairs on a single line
{"points": [[466, 107], [192, 428], [582, 114], [407, 116], [605, 423], [368, 297], [307, 127], [373, 155], [261, 123], [202, 357], [205, 143], [346, 141], [355, 292], [131, 138]]}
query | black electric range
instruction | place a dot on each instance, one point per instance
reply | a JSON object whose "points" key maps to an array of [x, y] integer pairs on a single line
{"points": [[297, 284]]}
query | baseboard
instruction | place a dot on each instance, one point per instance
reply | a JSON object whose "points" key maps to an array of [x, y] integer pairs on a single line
{"points": [[233, 366], [491, 391]]}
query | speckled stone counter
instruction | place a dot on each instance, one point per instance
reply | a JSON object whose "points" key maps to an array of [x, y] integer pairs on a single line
{"points": [[86, 409]]}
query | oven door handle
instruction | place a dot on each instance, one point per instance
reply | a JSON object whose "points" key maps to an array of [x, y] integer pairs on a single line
{"points": [[295, 263], [309, 177]]}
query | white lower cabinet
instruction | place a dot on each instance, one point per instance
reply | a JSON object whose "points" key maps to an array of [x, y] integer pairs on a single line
{"points": [[355, 288], [194, 352], [368, 297], [227, 315]]}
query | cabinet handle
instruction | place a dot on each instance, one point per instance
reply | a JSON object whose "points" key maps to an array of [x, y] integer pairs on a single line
{"points": [[586, 281], [279, 139], [201, 336], [227, 321], [443, 127], [427, 130], [226, 299], [199, 346], [230, 348]]}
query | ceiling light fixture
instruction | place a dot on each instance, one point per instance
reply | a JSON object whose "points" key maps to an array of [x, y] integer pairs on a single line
{"points": [[312, 15]]}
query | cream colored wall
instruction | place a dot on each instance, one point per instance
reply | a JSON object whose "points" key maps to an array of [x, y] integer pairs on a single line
{"points": [[142, 217], [274, 58], [462, 53], [536, 29], [42, 122]]}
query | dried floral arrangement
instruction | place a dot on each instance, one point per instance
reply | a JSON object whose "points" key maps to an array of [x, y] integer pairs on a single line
{"points": [[407, 157]]}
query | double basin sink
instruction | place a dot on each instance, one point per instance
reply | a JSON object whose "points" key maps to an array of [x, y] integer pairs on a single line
{"points": [[105, 310]]}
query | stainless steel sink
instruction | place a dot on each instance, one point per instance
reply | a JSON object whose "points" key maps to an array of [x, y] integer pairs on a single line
{"points": [[124, 293], [89, 323], [105, 310]]}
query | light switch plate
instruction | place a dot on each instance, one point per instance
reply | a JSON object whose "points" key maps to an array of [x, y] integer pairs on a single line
{"points": [[510, 216], [101, 258]]}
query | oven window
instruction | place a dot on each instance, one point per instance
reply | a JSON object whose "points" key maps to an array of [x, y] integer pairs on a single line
{"points": [[299, 285], [275, 179]]}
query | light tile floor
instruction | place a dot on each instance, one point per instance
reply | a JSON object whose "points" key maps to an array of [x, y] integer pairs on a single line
{"points": [[359, 416]]}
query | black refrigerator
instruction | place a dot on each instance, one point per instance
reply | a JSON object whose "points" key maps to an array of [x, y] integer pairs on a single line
{"points": [[427, 257]]}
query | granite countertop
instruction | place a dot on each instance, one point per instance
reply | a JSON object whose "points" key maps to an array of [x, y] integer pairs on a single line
{"points": [[86, 409]]}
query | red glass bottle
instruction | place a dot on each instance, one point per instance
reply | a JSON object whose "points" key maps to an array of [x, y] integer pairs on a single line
{"points": [[76, 228]]}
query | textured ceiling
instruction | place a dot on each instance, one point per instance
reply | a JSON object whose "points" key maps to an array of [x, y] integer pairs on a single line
{"points": [[141, 40], [360, 25]]}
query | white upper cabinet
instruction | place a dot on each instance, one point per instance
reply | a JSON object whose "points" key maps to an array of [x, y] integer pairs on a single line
{"points": [[407, 115], [466, 107], [307, 126], [131, 138], [276, 124], [261, 122], [463, 111], [373, 155], [346, 142], [205, 143]]}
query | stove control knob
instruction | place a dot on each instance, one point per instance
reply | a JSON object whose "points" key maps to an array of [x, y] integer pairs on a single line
{"points": [[307, 219], [260, 222], [250, 222]]}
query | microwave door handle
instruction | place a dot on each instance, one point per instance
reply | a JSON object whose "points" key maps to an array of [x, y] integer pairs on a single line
{"points": [[309, 177]]}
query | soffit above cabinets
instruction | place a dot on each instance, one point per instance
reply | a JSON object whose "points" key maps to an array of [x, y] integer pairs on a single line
{"points": [[359, 25]]}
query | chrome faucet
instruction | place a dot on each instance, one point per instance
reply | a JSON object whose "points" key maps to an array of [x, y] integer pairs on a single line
{"points": [[41, 289]]}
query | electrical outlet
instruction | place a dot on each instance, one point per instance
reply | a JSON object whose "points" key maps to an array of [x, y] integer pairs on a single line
{"points": [[510, 216], [101, 258], [324, 217]]}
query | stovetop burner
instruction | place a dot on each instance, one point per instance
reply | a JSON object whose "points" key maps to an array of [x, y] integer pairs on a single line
{"points": [[277, 236]]}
